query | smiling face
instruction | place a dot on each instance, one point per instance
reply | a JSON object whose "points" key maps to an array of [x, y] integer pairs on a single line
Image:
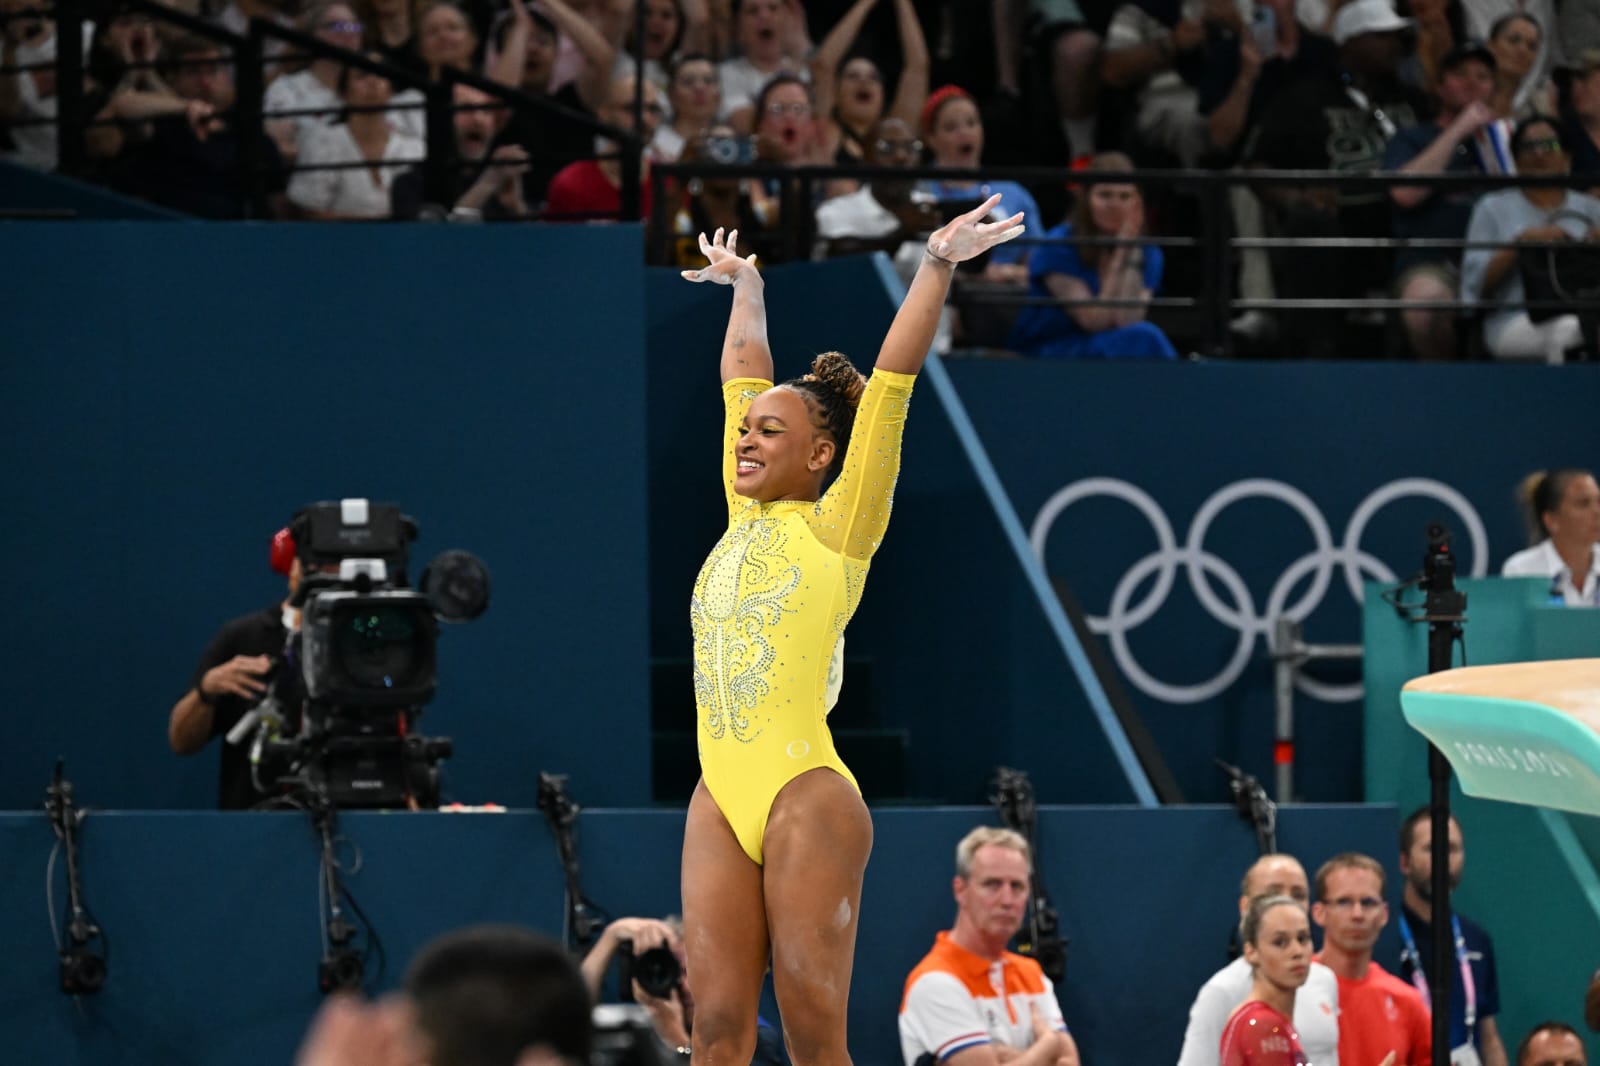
{"points": [[860, 92], [1515, 47], [781, 454], [956, 134], [444, 39], [1281, 952]]}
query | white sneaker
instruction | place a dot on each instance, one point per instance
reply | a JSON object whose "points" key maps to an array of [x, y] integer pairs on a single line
{"points": [[1253, 326]]}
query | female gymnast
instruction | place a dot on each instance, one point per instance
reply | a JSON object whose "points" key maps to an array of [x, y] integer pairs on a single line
{"points": [[777, 836], [1277, 943]]}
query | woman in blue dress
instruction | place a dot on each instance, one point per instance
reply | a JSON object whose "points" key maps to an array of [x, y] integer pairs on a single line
{"points": [[1066, 268]]}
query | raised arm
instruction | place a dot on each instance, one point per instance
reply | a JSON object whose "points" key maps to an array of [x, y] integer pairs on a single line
{"points": [[599, 54], [912, 91], [745, 353], [965, 237], [830, 53], [1436, 157], [508, 61], [697, 29]]}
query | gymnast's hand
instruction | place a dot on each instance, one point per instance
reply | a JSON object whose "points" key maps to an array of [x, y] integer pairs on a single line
{"points": [[726, 265], [968, 236]]}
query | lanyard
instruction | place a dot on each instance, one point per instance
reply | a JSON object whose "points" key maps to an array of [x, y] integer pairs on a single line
{"points": [[1377, 114], [1420, 978]]}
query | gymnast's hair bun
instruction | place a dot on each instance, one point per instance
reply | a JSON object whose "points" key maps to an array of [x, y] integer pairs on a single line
{"points": [[835, 370]]}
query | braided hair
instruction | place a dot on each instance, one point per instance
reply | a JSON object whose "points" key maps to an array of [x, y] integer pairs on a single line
{"points": [[831, 392]]}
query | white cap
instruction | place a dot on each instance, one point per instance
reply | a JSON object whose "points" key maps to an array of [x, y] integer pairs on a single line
{"points": [[1366, 16]]}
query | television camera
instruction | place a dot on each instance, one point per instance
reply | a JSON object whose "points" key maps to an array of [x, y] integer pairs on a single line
{"points": [[363, 662]]}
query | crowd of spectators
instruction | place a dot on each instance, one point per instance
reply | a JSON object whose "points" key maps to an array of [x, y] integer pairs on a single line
{"points": [[1347, 87]]}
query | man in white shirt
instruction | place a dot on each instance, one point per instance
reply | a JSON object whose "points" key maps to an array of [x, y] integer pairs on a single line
{"points": [[1316, 1006], [882, 213]]}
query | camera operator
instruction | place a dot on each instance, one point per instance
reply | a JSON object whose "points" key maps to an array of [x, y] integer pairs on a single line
{"points": [[233, 675], [662, 987]]}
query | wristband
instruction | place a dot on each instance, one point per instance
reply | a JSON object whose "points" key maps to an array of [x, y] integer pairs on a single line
{"points": [[210, 700], [932, 255]]}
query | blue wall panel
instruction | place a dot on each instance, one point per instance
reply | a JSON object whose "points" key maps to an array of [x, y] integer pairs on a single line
{"points": [[213, 924], [1265, 454], [173, 393]]}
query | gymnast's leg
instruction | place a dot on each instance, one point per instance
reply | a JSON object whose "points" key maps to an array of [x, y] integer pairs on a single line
{"points": [[725, 936], [819, 835]]}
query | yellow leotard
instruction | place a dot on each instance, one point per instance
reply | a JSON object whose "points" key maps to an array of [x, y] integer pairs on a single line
{"points": [[770, 607]]}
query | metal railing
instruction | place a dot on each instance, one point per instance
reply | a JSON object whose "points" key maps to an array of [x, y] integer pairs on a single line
{"points": [[1216, 248], [1212, 249]]}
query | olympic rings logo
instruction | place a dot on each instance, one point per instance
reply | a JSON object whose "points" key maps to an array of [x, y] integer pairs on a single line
{"points": [[1235, 607]]}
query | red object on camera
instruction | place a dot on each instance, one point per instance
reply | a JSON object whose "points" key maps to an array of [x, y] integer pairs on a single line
{"points": [[283, 550]]}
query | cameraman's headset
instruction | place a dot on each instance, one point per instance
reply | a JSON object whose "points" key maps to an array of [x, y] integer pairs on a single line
{"points": [[281, 556]]}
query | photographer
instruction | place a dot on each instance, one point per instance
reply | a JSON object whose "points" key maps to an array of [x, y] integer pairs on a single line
{"points": [[662, 987], [232, 676]]}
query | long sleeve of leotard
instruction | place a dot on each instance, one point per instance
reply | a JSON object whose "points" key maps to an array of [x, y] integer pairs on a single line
{"points": [[737, 396], [853, 514]]}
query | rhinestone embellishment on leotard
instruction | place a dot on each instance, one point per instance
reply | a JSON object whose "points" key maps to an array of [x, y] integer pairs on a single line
{"points": [[737, 600]]}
